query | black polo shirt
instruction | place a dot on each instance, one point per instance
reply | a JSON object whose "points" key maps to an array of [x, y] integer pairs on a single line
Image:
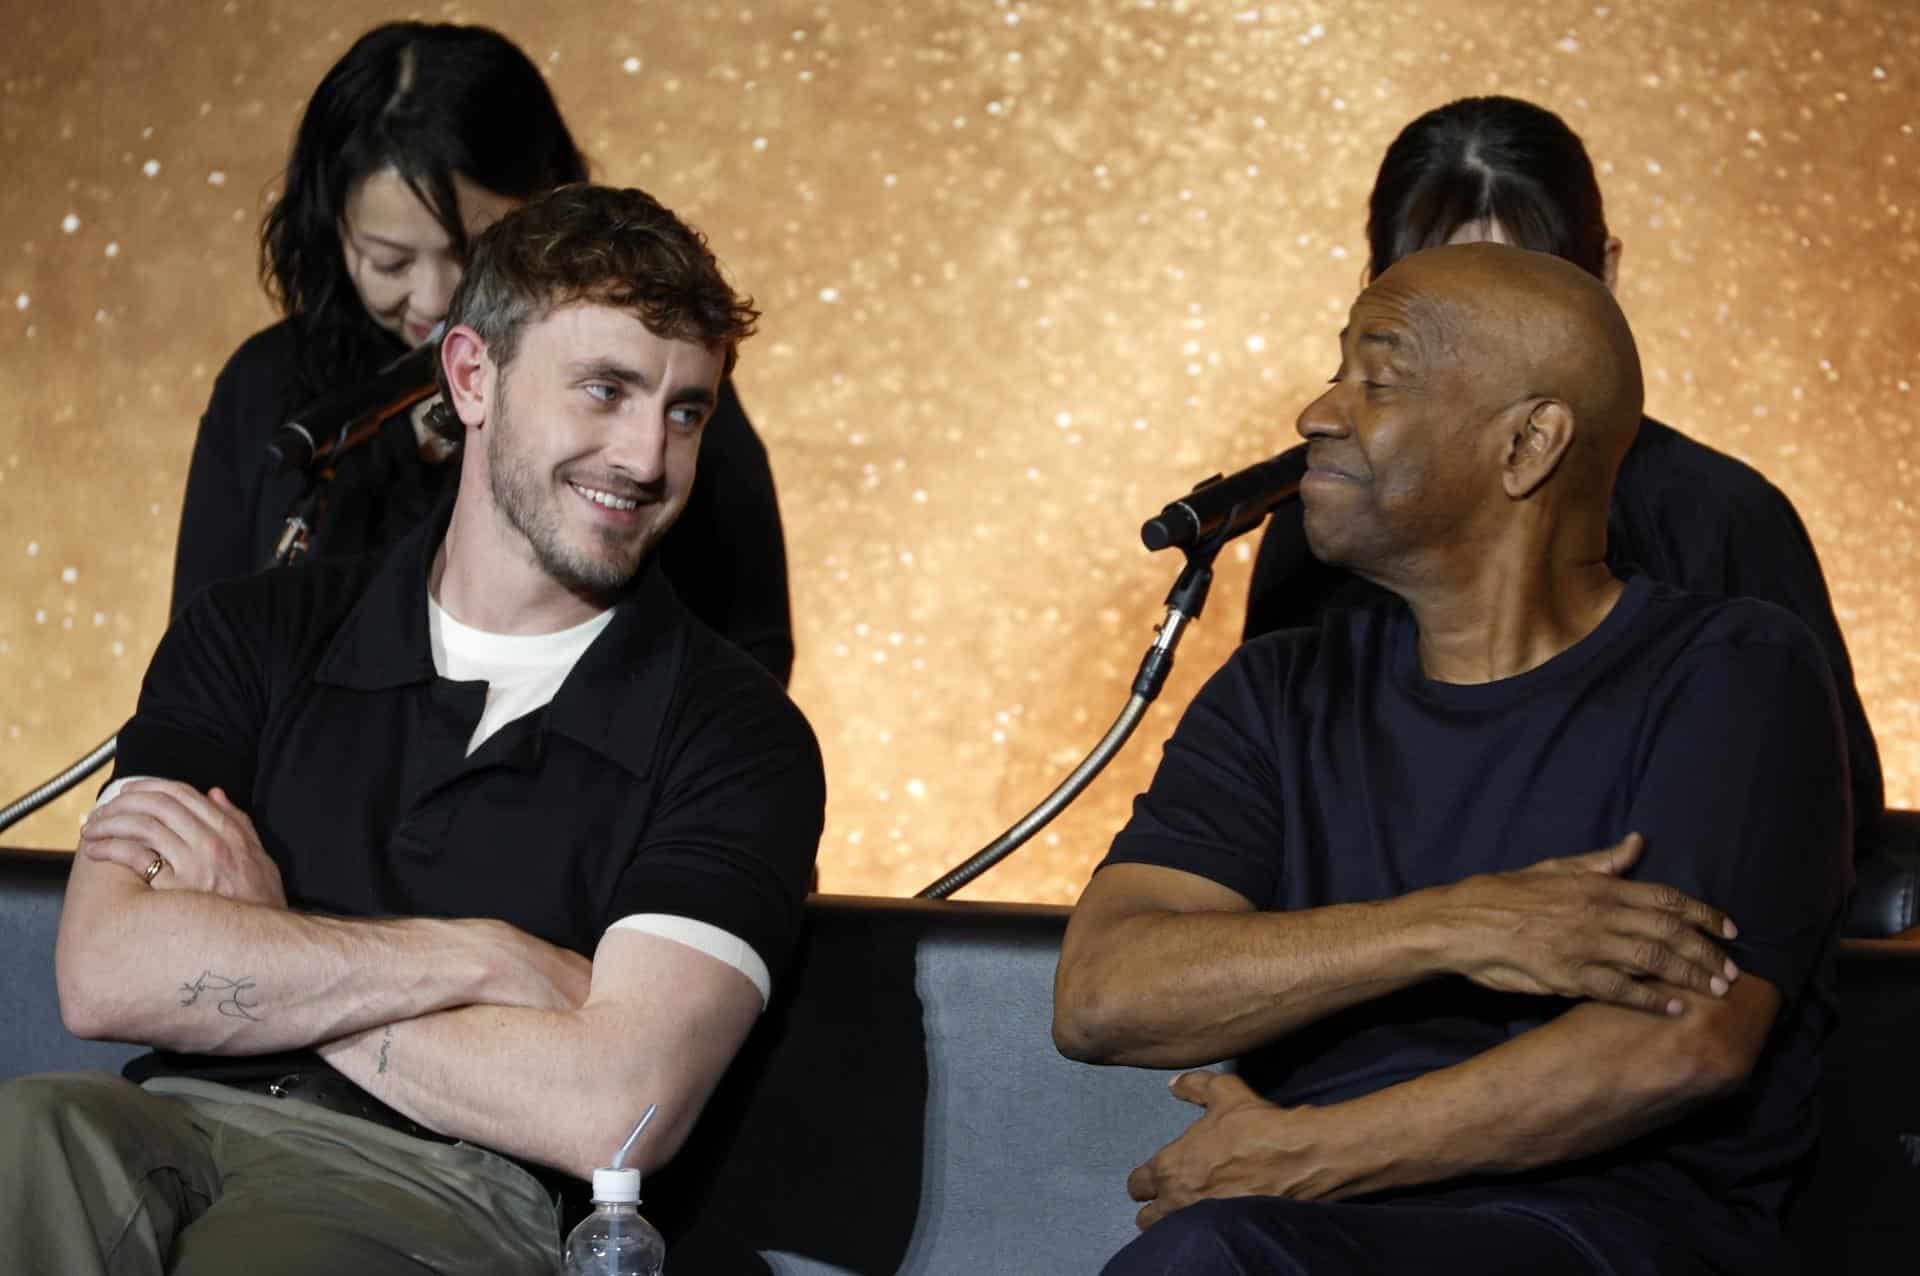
{"points": [[669, 773]]}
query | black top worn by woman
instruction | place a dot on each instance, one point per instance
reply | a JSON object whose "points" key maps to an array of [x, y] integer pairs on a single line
{"points": [[1683, 514], [726, 556]]}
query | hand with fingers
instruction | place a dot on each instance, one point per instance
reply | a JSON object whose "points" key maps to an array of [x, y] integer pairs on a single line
{"points": [[179, 838], [1242, 1145], [1576, 927]]}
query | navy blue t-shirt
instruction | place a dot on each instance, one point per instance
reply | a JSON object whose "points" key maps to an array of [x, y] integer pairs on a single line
{"points": [[1322, 767]]}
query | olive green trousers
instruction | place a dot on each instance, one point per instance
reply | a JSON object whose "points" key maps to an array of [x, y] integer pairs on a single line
{"points": [[100, 1177]]}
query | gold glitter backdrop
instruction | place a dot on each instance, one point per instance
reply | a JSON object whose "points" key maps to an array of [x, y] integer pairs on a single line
{"points": [[1030, 269]]}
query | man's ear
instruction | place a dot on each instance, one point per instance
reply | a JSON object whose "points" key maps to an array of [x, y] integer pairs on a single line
{"points": [[472, 380], [1536, 445]]}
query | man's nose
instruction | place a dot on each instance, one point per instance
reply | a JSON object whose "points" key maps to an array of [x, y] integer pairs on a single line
{"points": [[637, 447], [1325, 417]]}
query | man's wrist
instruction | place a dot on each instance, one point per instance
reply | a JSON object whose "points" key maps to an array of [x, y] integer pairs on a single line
{"points": [[486, 965], [468, 959], [1429, 937], [1364, 1143]]}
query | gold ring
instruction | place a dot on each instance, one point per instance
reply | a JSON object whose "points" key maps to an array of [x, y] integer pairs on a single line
{"points": [[153, 869]]}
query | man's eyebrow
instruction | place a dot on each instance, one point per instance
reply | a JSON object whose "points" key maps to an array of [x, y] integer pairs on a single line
{"points": [[1387, 337], [700, 394], [607, 370]]}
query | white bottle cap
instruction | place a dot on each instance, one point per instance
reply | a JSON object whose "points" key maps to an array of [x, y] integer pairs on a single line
{"points": [[617, 1187]]}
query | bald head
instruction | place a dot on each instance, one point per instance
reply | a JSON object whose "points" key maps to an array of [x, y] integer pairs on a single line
{"points": [[1486, 396], [1527, 325]]}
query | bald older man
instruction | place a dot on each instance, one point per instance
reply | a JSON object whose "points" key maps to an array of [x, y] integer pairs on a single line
{"points": [[1515, 896]]}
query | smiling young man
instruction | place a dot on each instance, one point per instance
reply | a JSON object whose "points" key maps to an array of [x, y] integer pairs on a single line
{"points": [[425, 874], [1513, 895]]}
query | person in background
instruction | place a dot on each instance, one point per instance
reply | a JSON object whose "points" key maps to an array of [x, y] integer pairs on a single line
{"points": [[419, 138], [425, 873], [1499, 169]]}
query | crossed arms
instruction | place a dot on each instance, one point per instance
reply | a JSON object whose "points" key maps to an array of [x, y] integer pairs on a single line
{"points": [[1208, 977], [1168, 968], [469, 1026]]}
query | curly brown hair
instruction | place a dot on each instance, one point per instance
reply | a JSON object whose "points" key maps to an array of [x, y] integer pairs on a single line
{"points": [[600, 244]]}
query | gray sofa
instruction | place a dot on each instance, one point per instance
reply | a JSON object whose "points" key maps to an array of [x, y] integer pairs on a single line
{"points": [[902, 1109]]}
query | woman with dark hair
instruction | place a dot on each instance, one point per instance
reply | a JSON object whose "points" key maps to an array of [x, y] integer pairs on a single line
{"points": [[1489, 168], [420, 137], [1499, 169]]}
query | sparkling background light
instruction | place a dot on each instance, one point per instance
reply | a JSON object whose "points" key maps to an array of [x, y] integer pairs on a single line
{"points": [[1029, 270]]}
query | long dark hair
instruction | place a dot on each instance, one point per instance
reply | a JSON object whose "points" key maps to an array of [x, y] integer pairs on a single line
{"points": [[428, 101], [1488, 157]]}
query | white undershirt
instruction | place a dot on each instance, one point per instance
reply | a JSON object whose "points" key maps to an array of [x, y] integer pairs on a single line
{"points": [[522, 673]]}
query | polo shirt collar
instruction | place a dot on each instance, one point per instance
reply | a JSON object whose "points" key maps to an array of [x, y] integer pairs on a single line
{"points": [[383, 642], [615, 699]]}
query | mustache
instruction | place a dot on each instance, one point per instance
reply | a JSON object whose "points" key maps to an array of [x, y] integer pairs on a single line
{"points": [[1318, 458]]}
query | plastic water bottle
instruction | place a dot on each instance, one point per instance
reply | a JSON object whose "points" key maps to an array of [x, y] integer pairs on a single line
{"points": [[614, 1240]]}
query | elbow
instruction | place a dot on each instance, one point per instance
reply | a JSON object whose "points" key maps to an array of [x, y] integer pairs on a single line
{"points": [[84, 1016], [1086, 1024], [84, 1012], [1074, 1038], [96, 1006], [1077, 1035], [664, 1138], [597, 1142], [88, 1015], [662, 1150]]}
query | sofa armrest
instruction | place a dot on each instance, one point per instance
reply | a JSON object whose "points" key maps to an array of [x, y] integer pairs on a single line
{"points": [[1856, 1211], [1886, 892]]}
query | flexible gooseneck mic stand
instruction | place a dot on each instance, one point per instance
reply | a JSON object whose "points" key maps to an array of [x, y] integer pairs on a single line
{"points": [[295, 537], [293, 545], [1217, 510], [1184, 604]]}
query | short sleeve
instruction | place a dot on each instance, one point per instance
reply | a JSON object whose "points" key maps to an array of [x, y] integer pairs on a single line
{"points": [[737, 825], [1214, 807], [202, 703], [1743, 795]]}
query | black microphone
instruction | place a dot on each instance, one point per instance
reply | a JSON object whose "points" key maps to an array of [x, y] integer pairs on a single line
{"points": [[320, 430], [1226, 506]]}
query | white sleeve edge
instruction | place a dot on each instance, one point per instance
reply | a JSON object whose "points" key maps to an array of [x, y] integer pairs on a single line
{"points": [[112, 790], [705, 937]]}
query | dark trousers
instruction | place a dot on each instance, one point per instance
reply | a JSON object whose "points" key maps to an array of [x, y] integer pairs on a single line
{"points": [[1272, 1236]]}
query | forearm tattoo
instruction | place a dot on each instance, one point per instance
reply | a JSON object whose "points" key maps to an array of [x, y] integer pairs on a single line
{"points": [[386, 1044], [238, 997]]}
